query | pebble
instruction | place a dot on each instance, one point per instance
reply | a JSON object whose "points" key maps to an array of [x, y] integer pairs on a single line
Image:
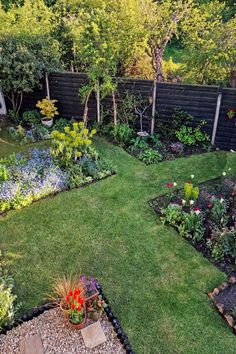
{"points": [[57, 337]]}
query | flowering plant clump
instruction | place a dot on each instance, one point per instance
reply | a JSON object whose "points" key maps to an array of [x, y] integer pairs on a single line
{"points": [[170, 187], [191, 193], [90, 285], [72, 144], [30, 179], [47, 108], [231, 113], [75, 305]]}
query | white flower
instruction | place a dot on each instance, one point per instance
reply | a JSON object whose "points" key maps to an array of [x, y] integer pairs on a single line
{"points": [[229, 169], [221, 200], [174, 184], [191, 202], [183, 202], [192, 176], [224, 173]]}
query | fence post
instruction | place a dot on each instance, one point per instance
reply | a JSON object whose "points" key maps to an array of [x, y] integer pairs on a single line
{"points": [[47, 86], [216, 119], [154, 96]]}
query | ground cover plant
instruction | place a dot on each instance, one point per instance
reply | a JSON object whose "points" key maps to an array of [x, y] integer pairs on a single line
{"points": [[205, 215], [69, 163], [176, 137], [109, 230]]}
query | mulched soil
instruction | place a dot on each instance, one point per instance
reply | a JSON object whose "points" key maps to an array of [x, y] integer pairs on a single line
{"points": [[57, 337], [227, 297], [218, 188]]}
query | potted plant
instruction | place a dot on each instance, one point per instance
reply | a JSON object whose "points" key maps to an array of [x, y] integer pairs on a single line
{"points": [[96, 308], [48, 110], [90, 289], [73, 307]]}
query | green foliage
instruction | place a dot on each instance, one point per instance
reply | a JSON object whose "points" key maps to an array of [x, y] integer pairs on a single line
{"points": [[122, 133], [138, 143], [192, 136], [192, 226], [174, 122], [223, 243], [150, 156], [60, 124], [126, 108], [74, 143], [7, 299], [4, 173], [31, 117], [218, 213], [210, 44], [190, 192], [172, 215]]}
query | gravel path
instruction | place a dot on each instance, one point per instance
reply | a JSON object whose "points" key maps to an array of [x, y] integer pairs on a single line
{"points": [[57, 338]]}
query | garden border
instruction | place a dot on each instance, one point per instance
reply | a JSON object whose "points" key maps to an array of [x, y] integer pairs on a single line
{"points": [[220, 308], [37, 311]]}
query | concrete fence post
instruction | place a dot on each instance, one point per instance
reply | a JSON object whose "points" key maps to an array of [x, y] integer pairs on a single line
{"points": [[216, 119], [47, 86]]}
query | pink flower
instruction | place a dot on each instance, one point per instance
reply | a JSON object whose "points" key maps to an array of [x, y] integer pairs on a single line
{"points": [[170, 185]]}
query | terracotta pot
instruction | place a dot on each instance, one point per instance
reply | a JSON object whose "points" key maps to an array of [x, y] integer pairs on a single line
{"points": [[70, 324], [47, 122]]}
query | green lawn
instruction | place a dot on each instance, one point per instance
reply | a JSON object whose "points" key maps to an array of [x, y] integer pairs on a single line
{"points": [[156, 282]]}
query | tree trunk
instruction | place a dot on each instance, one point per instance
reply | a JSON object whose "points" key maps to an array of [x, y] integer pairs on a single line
{"points": [[85, 115], [114, 107], [159, 65]]}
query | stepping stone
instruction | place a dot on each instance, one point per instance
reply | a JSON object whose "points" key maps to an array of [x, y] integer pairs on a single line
{"points": [[31, 345], [93, 335]]}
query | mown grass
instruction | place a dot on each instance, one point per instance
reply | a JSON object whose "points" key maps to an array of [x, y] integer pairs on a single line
{"points": [[156, 282]]}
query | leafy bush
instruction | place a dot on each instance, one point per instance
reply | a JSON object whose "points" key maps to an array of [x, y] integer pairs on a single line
{"points": [[174, 121], [150, 156], [72, 144], [7, 301], [223, 243], [189, 225], [47, 108], [122, 133], [218, 212], [192, 136], [40, 132], [31, 117], [24, 136], [60, 124], [138, 143], [192, 226], [190, 192]]}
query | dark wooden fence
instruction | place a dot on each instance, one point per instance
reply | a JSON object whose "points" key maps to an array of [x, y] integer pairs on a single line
{"points": [[198, 100]]}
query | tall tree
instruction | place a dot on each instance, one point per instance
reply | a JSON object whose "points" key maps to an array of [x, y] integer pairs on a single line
{"points": [[210, 44]]}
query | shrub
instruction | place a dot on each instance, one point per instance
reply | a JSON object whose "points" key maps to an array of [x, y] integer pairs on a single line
{"points": [[192, 225], [122, 133], [72, 144], [31, 117], [47, 108], [174, 122], [192, 136], [150, 156], [190, 192], [60, 124], [7, 299], [222, 243], [218, 212]]}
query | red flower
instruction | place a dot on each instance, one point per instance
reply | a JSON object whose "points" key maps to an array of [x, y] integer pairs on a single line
{"points": [[75, 296], [73, 306], [77, 291], [81, 300], [70, 293], [170, 185], [67, 298], [197, 209], [79, 308]]}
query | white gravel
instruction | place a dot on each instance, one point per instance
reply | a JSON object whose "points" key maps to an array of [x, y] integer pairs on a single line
{"points": [[57, 338]]}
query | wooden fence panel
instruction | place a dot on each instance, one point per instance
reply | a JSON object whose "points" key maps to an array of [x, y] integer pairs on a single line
{"points": [[197, 100]]}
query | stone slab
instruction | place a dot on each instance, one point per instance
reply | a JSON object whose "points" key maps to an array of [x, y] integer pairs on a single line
{"points": [[31, 345], [93, 335]]}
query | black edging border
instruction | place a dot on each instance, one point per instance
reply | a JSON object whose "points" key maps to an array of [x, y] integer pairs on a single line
{"points": [[37, 311]]}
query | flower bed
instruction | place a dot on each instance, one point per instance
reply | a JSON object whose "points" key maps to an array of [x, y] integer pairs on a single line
{"points": [[177, 137], [70, 162], [205, 215]]}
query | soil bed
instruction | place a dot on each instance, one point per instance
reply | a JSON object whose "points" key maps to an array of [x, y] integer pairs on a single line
{"points": [[217, 188]]}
